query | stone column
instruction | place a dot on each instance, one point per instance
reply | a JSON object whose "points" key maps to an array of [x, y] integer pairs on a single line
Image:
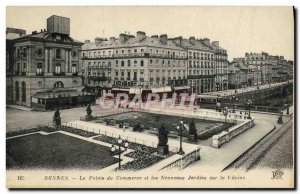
{"points": [[70, 62], [46, 61], [29, 64], [51, 54], [66, 69]]}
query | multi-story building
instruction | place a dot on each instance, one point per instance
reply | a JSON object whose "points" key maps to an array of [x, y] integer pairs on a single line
{"points": [[154, 63], [44, 66], [221, 65], [201, 66], [272, 68]]}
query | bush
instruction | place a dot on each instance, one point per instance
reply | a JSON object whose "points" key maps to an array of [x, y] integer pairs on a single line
{"points": [[56, 118], [137, 127]]}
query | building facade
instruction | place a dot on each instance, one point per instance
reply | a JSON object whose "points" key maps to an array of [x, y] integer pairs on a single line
{"points": [[42, 61], [154, 63], [201, 64]]}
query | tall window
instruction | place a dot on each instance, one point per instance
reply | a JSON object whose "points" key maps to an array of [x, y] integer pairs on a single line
{"points": [[142, 63], [23, 92], [39, 69], [57, 68], [73, 68], [128, 63], [17, 90], [24, 67], [58, 53]]}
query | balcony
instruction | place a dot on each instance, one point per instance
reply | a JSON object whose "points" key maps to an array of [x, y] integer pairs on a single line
{"points": [[40, 74], [98, 78], [59, 73], [75, 74]]}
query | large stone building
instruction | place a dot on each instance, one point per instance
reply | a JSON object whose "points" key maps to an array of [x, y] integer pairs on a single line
{"points": [[155, 64], [42, 62], [201, 64], [272, 68], [191, 65]]}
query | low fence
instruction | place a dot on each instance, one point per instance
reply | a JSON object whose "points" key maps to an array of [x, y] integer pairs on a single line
{"points": [[226, 136], [184, 161], [108, 133], [115, 112], [195, 115]]}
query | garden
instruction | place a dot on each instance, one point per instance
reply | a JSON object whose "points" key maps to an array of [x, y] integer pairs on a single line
{"points": [[150, 122]]}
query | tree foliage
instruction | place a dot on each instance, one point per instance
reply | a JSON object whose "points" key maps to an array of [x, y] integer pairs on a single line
{"points": [[56, 118]]}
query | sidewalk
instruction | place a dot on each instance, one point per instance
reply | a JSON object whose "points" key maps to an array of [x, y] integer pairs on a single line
{"points": [[18, 107]]}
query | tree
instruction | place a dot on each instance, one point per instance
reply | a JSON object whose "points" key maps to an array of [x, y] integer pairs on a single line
{"points": [[193, 130], [137, 127], [89, 110], [56, 118], [162, 136]]}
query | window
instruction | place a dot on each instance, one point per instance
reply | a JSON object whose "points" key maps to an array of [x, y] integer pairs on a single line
{"points": [[23, 92], [39, 69], [58, 53], [150, 61], [57, 68], [142, 50], [40, 83], [122, 63], [142, 63], [73, 68], [24, 67], [128, 63], [59, 84], [17, 90], [40, 52], [135, 50]]}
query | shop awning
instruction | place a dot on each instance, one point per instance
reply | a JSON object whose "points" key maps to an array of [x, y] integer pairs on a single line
{"points": [[135, 91]]}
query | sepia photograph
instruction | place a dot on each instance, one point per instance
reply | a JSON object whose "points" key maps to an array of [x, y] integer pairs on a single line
{"points": [[158, 97]]}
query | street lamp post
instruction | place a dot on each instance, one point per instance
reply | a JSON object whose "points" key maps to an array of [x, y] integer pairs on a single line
{"points": [[225, 112], [141, 86], [232, 100], [121, 145], [249, 102], [180, 129]]}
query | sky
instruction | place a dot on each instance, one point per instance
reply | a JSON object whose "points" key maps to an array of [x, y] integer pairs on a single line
{"points": [[238, 29]]}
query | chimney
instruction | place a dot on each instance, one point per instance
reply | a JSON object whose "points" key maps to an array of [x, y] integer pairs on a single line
{"points": [[154, 36], [140, 35], [178, 40], [87, 41], [163, 38], [98, 40], [216, 43], [112, 39], [192, 39], [206, 41], [123, 37]]}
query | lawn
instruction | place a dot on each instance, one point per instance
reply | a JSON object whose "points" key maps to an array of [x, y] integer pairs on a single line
{"points": [[56, 151]]}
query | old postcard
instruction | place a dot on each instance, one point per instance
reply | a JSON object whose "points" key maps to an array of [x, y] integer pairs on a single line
{"points": [[150, 97]]}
